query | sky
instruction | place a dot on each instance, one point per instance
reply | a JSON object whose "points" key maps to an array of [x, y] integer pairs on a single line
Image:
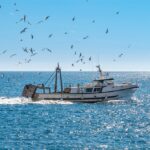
{"points": [[129, 33]]}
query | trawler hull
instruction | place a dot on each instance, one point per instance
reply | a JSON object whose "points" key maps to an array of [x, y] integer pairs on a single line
{"points": [[87, 97]]}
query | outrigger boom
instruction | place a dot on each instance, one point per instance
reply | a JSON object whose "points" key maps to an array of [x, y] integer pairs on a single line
{"points": [[102, 89]]}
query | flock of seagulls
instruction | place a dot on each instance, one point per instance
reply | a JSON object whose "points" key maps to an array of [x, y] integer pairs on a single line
{"points": [[80, 57], [26, 50]]}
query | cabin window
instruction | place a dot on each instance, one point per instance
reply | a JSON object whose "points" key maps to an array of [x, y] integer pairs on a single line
{"points": [[89, 90], [97, 90]]}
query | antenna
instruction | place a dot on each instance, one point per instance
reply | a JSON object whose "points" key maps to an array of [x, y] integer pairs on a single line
{"points": [[100, 71]]}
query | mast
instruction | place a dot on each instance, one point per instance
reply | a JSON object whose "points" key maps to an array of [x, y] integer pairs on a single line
{"points": [[58, 72]]}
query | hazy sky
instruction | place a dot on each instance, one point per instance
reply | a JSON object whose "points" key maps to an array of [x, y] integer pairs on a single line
{"points": [[129, 33]]}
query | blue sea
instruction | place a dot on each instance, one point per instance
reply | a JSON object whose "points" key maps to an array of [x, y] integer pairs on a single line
{"points": [[122, 124]]}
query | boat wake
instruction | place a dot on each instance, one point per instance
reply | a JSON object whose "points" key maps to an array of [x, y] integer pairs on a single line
{"points": [[21, 101]]}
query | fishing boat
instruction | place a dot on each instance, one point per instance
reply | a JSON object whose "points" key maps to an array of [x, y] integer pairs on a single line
{"points": [[99, 90]]}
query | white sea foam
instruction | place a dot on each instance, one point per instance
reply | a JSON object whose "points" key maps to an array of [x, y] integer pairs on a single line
{"points": [[21, 100]]}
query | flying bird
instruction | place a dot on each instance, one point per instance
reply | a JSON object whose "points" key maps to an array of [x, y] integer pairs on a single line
{"points": [[72, 46], [73, 19], [17, 10], [27, 60], [25, 50], [80, 55], [107, 31], [24, 30], [93, 21], [32, 37], [4, 51], [72, 65], [39, 22], [47, 17], [29, 23], [24, 18], [120, 55], [34, 54], [86, 37], [50, 35], [31, 50], [117, 13], [49, 50], [12, 55], [90, 58], [65, 33]]}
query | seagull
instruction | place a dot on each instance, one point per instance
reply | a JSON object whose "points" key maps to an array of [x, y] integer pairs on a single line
{"points": [[49, 50], [16, 10], [24, 18], [107, 31], [4, 51], [12, 55], [31, 50], [21, 40], [28, 61], [80, 55], [90, 58], [117, 13], [120, 55], [34, 54], [73, 19], [50, 35], [65, 33], [47, 17], [40, 22], [86, 37], [71, 46], [15, 4], [77, 60], [25, 50], [29, 23], [24, 30], [93, 21], [32, 37], [75, 53]]}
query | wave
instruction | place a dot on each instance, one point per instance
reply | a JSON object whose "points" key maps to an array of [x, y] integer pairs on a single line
{"points": [[21, 100]]}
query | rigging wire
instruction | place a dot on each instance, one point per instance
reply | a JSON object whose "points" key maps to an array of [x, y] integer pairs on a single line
{"points": [[49, 78]]}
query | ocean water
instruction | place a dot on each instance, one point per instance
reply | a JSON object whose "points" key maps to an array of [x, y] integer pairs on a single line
{"points": [[122, 124]]}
